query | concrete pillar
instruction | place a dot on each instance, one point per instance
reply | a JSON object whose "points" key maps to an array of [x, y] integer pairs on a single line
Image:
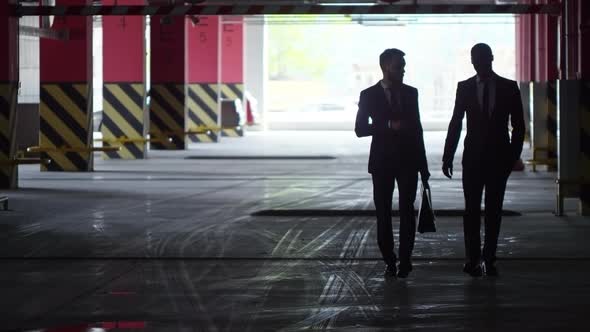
{"points": [[8, 94], [168, 82], [584, 76], [66, 94], [525, 64], [584, 40], [123, 120], [546, 26], [203, 120], [255, 58], [585, 147], [232, 64], [544, 123], [525, 46]]}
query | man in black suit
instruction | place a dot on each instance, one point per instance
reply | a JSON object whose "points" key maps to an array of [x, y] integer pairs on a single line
{"points": [[489, 154], [388, 111]]}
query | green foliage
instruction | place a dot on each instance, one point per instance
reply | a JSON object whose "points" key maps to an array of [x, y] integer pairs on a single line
{"points": [[299, 49]]}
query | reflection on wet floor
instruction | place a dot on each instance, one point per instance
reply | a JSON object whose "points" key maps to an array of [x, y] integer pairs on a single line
{"points": [[174, 244], [295, 295]]}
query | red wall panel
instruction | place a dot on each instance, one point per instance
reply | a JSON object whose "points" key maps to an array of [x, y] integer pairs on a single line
{"points": [[202, 48], [167, 50], [8, 40], [123, 45], [68, 60], [232, 44]]}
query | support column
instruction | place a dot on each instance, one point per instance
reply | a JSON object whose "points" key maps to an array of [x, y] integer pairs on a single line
{"points": [[124, 84], [168, 82], [232, 65], [546, 64], [584, 159], [574, 167], [584, 76], [525, 65], [66, 94], [546, 70], [255, 70], [8, 93], [544, 124], [203, 118], [584, 40]]}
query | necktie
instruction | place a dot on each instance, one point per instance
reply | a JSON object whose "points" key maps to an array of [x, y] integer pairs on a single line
{"points": [[486, 99], [394, 103]]}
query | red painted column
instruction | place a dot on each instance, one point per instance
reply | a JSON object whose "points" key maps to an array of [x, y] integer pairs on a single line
{"points": [[546, 66], [531, 50], [584, 40], [8, 93], [525, 47], [66, 94], [571, 46], [232, 64], [124, 67], [541, 46], [518, 30], [202, 62], [168, 82]]}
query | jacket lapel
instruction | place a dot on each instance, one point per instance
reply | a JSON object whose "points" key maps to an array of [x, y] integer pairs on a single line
{"points": [[497, 95], [474, 100], [381, 98]]}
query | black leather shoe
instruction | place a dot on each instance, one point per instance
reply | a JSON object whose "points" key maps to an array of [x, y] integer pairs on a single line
{"points": [[390, 271], [472, 269], [489, 269], [404, 270]]}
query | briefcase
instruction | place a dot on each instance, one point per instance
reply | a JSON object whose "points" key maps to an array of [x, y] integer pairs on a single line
{"points": [[426, 216]]}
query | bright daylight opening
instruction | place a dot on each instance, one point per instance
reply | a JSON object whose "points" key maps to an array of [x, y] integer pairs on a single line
{"points": [[317, 65]]}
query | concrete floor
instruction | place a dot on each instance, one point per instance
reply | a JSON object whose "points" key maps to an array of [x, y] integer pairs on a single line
{"points": [[171, 243]]}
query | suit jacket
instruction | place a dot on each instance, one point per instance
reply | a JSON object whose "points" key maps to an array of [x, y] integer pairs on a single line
{"points": [[391, 148], [488, 138]]}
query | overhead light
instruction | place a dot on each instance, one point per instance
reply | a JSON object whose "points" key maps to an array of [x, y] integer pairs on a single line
{"points": [[195, 20], [166, 20]]}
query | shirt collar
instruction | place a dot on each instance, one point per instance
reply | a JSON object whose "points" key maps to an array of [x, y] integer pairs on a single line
{"points": [[385, 86], [480, 80]]}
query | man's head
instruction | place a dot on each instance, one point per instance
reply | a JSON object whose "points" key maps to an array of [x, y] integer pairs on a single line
{"points": [[392, 65], [481, 58]]}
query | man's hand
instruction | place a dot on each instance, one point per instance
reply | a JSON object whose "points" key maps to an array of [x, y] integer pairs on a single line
{"points": [[447, 170]]}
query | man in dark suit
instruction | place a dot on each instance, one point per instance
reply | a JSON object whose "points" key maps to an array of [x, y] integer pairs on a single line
{"points": [[388, 111], [489, 154]]}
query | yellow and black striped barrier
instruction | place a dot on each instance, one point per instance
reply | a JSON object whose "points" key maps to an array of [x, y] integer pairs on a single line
{"points": [[549, 162], [211, 129], [121, 140], [562, 184], [585, 147], [232, 91], [65, 120], [168, 136], [26, 161], [22, 160], [64, 152], [70, 149], [8, 101], [123, 116], [167, 116], [203, 111]]}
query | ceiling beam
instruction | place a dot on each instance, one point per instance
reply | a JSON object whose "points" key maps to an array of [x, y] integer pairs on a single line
{"points": [[283, 10]]}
